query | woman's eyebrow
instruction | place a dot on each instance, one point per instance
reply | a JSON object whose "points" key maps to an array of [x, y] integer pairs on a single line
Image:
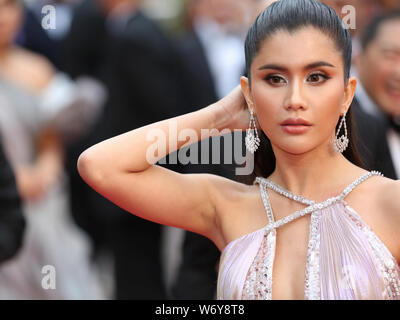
{"points": [[307, 67]]}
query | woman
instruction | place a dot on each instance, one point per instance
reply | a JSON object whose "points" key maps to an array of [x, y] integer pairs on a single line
{"points": [[279, 245], [33, 96]]}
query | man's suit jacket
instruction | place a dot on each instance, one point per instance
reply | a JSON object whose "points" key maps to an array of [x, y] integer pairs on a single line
{"points": [[33, 37], [140, 71], [12, 221], [144, 76], [84, 54], [197, 273], [372, 142], [83, 47], [199, 86]]}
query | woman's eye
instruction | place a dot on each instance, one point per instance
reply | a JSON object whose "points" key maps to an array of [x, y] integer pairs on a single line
{"points": [[317, 76], [275, 79]]}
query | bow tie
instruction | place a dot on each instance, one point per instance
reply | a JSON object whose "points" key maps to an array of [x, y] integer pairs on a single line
{"points": [[395, 123]]}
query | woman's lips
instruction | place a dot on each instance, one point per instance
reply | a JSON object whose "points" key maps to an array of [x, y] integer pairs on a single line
{"points": [[295, 128]]}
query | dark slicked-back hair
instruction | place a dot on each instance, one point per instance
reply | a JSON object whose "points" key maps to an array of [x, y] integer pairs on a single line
{"points": [[291, 15]]}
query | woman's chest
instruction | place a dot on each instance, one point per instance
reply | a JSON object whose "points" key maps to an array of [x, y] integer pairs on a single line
{"points": [[306, 258], [291, 260], [275, 263]]}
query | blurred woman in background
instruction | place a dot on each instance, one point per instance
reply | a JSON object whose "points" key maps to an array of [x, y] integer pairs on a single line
{"points": [[35, 101]]}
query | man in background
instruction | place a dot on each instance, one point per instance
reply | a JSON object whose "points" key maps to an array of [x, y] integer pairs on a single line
{"points": [[378, 89]]}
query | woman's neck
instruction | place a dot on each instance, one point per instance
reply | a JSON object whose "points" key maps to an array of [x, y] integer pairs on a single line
{"points": [[314, 174]]}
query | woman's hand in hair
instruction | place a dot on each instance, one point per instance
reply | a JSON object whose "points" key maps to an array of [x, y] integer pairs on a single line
{"points": [[232, 112]]}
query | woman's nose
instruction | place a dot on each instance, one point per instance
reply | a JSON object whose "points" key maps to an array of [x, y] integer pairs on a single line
{"points": [[295, 98]]}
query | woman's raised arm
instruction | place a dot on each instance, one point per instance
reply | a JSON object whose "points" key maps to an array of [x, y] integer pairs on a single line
{"points": [[120, 168]]}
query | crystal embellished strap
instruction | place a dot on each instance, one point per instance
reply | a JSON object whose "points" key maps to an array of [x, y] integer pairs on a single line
{"points": [[265, 198], [286, 193], [350, 188], [314, 206], [277, 188]]}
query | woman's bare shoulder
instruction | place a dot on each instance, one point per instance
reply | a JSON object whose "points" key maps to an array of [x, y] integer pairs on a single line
{"points": [[388, 194], [35, 70], [389, 198], [377, 195], [378, 202], [229, 197], [223, 189], [39, 61]]}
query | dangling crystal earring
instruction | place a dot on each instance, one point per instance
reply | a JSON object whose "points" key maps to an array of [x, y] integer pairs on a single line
{"points": [[252, 141], [340, 144]]}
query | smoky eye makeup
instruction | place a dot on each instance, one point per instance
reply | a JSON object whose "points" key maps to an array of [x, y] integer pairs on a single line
{"points": [[278, 79], [274, 79], [319, 74]]}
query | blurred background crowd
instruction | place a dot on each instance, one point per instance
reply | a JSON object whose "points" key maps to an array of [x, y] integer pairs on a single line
{"points": [[80, 71]]}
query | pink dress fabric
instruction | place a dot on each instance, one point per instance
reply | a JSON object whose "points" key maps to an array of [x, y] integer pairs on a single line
{"points": [[345, 259]]}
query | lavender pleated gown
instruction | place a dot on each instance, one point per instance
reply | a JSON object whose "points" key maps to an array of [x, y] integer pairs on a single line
{"points": [[345, 258]]}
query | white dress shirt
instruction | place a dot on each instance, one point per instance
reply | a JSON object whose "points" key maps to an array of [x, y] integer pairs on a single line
{"points": [[224, 53]]}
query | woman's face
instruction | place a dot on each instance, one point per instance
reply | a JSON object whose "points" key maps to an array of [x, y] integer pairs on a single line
{"points": [[298, 75], [10, 19]]}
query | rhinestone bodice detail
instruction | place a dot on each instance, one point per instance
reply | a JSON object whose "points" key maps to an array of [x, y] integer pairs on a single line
{"points": [[345, 258]]}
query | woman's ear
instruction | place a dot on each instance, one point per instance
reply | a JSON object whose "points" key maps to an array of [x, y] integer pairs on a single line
{"points": [[244, 83], [349, 93]]}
